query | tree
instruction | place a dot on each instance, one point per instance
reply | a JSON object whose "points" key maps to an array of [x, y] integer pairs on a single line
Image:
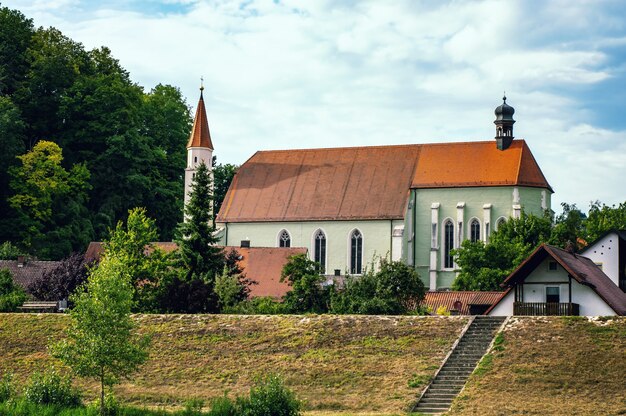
{"points": [[166, 125], [133, 244], [222, 177], [11, 295], [307, 292], [102, 341], [568, 227], [197, 253], [603, 218], [15, 36], [60, 282], [50, 201], [394, 289], [12, 144], [485, 266]]}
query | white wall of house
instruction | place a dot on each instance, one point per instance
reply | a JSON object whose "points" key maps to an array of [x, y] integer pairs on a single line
{"points": [[505, 306], [590, 303], [605, 252], [377, 238]]}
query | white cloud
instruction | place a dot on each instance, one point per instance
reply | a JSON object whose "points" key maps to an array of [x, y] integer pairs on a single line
{"points": [[327, 73]]}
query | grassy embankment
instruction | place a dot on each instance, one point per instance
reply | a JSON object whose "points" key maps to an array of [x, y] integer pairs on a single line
{"points": [[337, 364], [551, 366], [357, 365]]}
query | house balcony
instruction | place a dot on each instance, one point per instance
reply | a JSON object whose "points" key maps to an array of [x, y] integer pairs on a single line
{"points": [[546, 309]]}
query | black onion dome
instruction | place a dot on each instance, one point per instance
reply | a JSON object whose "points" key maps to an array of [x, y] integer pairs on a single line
{"points": [[504, 111]]}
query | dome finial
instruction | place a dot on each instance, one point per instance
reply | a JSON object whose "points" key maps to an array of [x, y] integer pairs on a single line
{"points": [[504, 96], [201, 84]]}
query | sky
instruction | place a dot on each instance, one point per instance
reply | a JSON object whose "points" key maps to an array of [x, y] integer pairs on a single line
{"points": [[316, 73]]}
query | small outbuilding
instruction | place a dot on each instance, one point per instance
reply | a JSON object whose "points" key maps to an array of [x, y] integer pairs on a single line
{"points": [[552, 281]]}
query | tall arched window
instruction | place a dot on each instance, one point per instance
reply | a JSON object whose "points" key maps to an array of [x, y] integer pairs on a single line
{"points": [[474, 230], [319, 249], [284, 239], [448, 241], [356, 252], [500, 222]]}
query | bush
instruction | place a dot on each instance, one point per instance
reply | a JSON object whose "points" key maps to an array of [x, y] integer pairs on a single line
{"points": [[11, 295], [262, 305], [307, 293], [270, 397], [51, 388], [8, 251], [393, 290], [6, 388], [60, 282]]}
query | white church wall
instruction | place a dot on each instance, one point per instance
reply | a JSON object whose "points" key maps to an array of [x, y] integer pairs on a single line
{"points": [[377, 238]]}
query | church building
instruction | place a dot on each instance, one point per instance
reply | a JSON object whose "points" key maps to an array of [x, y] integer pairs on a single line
{"points": [[348, 206]]}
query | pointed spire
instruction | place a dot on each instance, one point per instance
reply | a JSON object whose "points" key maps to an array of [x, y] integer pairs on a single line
{"points": [[200, 134]]}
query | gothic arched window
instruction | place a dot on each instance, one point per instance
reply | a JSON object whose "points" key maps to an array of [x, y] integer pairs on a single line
{"points": [[474, 230], [356, 252], [448, 241], [319, 249], [284, 239]]}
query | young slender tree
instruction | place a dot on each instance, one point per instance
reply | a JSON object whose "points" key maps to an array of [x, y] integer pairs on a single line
{"points": [[102, 341]]}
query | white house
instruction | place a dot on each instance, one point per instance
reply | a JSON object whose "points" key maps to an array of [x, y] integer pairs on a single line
{"points": [[608, 252], [552, 281]]}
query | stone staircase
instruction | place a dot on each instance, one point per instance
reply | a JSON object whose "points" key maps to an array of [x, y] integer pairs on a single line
{"points": [[461, 362]]}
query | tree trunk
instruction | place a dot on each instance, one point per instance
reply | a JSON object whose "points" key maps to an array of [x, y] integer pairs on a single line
{"points": [[102, 410]]}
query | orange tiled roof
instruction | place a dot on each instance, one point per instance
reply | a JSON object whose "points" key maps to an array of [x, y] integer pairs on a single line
{"points": [[264, 265], [367, 182], [447, 299], [200, 135]]}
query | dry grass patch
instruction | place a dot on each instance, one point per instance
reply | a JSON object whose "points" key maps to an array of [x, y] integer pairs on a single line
{"points": [[551, 366], [337, 364]]}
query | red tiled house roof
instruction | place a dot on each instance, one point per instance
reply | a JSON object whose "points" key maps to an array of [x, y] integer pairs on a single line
{"points": [[329, 184]]}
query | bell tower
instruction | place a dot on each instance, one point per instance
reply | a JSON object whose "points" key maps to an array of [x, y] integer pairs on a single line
{"points": [[199, 147], [504, 124]]}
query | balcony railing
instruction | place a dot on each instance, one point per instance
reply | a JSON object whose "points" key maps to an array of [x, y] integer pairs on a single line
{"points": [[546, 309]]}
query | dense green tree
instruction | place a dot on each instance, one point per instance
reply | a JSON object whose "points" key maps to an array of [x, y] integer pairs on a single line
{"points": [[50, 201], [485, 266], [167, 122], [197, 255], [16, 32], [307, 292], [12, 144], [603, 218], [568, 229], [133, 245], [102, 341], [11, 295], [394, 289], [222, 177]]}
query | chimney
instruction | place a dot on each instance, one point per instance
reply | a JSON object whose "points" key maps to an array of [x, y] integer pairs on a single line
{"points": [[21, 261], [245, 243]]}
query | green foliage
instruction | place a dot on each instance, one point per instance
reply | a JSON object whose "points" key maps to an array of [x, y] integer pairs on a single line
{"points": [[568, 227], [102, 342], [11, 295], [51, 388], [50, 201], [228, 289], [197, 255], [15, 35], [603, 218], [148, 266], [7, 390], [8, 251], [268, 397], [418, 380], [307, 293], [222, 177], [261, 305], [485, 266], [392, 290]]}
